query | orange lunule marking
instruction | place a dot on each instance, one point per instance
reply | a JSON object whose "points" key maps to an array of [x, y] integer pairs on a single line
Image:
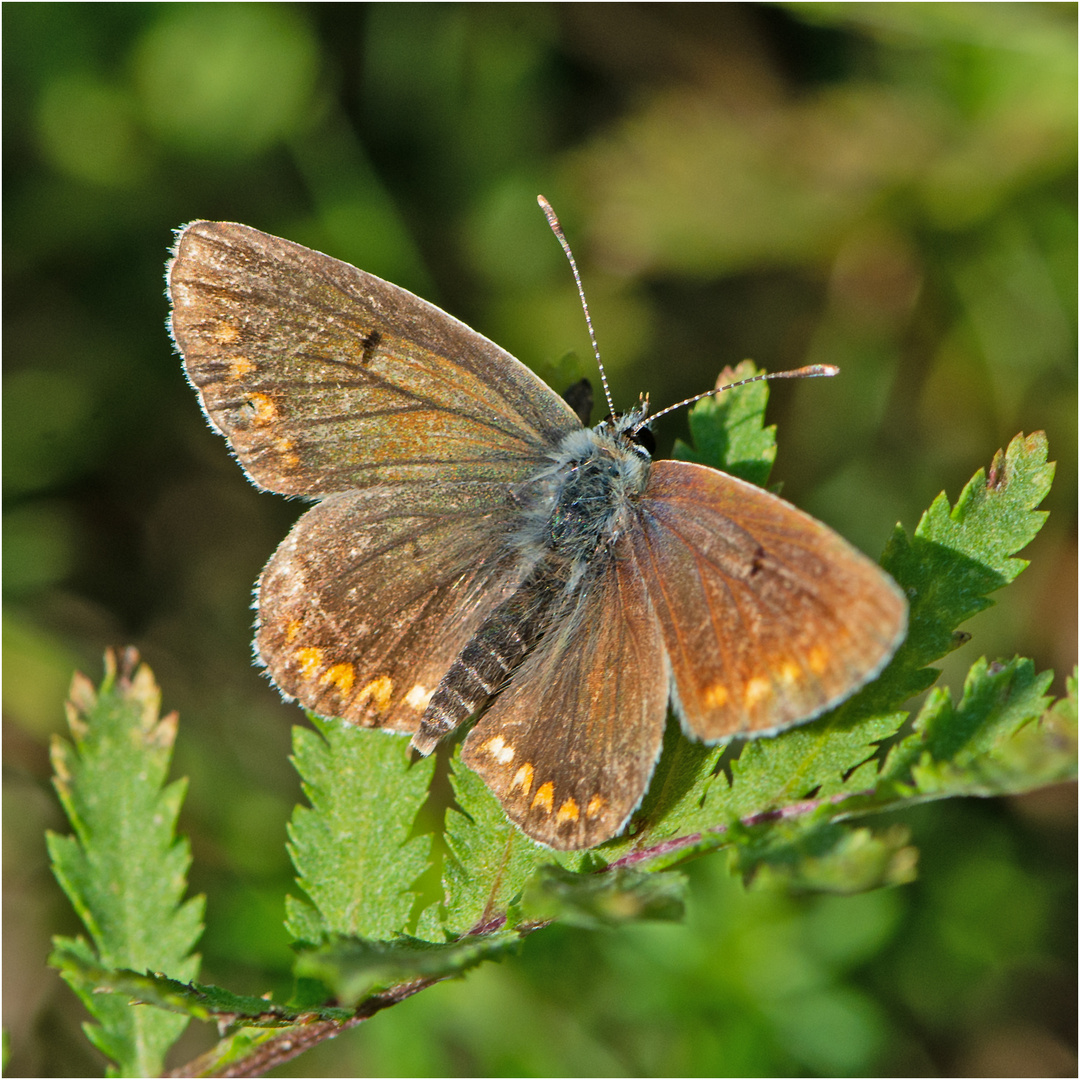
{"points": [[225, 333], [498, 748], [263, 408], [596, 804], [756, 691], [341, 675], [377, 692], [790, 671], [567, 812], [284, 447], [292, 630], [523, 778], [716, 696], [818, 659], [544, 797], [239, 366], [310, 660]]}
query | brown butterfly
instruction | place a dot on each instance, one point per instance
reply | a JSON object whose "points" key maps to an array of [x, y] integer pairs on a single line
{"points": [[476, 550]]}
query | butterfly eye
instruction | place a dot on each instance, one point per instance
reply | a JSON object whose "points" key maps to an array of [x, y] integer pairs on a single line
{"points": [[644, 438]]}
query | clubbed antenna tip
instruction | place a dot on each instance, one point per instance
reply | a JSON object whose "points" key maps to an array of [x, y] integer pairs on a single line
{"points": [[810, 371]]}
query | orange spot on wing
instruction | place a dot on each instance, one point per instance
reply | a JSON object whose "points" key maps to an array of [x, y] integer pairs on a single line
{"points": [[596, 805], [756, 691], [377, 693], [341, 676], [263, 409], [567, 812], [523, 778], [544, 797], [225, 333], [716, 696], [310, 660], [239, 366], [818, 659], [790, 671], [294, 628], [284, 447]]}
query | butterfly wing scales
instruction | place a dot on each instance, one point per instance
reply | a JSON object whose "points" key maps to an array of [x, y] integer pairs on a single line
{"points": [[329, 382], [325, 378], [587, 706], [366, 603], [769, 618]]}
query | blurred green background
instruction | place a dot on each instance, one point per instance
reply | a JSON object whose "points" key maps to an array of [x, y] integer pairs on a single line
{"points": [[889, 187]]}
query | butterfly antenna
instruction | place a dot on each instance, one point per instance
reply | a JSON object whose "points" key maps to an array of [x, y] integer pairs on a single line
{"points": [[811, 371], [556, 228]]}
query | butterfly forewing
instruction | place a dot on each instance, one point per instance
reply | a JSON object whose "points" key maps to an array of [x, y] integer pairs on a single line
{"points": [[326, 378], [570, 744], [768, 616]]}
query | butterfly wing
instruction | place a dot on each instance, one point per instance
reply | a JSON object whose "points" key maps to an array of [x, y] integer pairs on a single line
{"points": [[325, 378], [369, 599], [330, 382], [768, 617], [569, 746]]}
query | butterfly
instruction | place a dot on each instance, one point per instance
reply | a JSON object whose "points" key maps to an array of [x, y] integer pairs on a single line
{"points": [[476, 551]]}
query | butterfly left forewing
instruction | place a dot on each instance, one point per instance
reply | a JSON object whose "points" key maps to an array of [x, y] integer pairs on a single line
{"points": [[569, 746], [325, 378], [769, 617]]}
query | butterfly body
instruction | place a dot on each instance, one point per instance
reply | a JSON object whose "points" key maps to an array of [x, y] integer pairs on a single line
{"points": [[571, 515], [474, 550]]}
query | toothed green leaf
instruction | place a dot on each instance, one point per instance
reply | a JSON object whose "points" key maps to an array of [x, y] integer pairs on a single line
{"points": [[124, 869], [729, 431], [354, 968], [353, 847]]}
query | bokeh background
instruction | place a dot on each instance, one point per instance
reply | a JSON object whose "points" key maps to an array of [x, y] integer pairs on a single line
{"points": [[889, 187]]}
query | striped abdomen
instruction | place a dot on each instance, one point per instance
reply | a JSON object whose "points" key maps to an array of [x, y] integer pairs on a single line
{"points": [[495, 650]]}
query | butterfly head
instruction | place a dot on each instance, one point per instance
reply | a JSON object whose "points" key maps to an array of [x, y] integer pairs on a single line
{"points": [[631, 430]]}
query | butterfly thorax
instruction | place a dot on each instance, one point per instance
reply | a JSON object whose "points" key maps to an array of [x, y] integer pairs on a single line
{"points": [[594, 487]]}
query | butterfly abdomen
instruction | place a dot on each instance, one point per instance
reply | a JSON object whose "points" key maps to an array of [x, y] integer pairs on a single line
{"points": [[494, 651]]}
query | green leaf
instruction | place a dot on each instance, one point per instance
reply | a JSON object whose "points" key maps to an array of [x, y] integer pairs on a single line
{"points": [[1001, 738], [189, 998], [728, 429], [353, 968], [595, 900], [959, 555], [354, 850], [124, 870], [489, 859], [814, 854]]}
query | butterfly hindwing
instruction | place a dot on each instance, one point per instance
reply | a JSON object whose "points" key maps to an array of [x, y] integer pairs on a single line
{"points": [[569, 746], [369, 599]]}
